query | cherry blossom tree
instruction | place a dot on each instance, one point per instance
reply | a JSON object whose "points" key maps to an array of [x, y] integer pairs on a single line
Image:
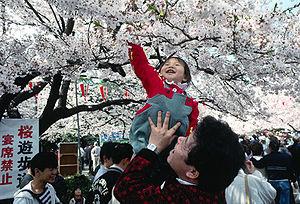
{"points": [[236, 49]]}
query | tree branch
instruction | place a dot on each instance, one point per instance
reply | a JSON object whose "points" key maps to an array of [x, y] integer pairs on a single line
{"points": [[56, 19], [59, 113], [53, 96], [62, 101], [23, 96], [5, 100]]}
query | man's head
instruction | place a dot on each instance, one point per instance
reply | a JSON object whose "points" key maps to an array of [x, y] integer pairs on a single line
{"points": [[257, 148], [122, 154], [106, 153], [175, 69], [274, 144], [44, 166], [211, 156], [77, 194]]}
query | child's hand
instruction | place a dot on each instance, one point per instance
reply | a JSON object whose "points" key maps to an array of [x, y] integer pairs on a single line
{"points": [[161, 135], [129, 44]]}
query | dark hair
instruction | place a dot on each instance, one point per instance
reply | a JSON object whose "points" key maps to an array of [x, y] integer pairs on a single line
{"points": [[257, 148], [43, 160], [246, 146], [218, 155], [122, 151], [107, 150], [274, 144], [187, 72]]}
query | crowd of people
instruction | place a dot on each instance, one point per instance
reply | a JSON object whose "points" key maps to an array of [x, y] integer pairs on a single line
{"points": [[173, 158], [211, 165]]}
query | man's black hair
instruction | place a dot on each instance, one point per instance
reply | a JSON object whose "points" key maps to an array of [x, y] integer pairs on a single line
{"points": [[257, 148], [218, 155], [246, 146], [122, 151], [107, 150], [274, 144], [43, 160]]}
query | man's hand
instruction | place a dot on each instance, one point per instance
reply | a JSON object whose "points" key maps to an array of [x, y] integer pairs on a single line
{"points": [[161, 135]]}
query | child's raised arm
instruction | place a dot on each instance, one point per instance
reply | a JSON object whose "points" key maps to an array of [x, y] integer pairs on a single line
{"points": [[143, 70]]}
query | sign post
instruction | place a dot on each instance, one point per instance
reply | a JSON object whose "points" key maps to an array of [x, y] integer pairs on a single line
{"points": [[19, 143]]}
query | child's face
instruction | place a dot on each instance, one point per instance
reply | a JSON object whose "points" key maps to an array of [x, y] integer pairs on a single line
{"points": [[173, 70]]}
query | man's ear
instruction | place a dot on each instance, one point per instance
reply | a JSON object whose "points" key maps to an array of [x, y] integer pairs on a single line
{"points": [[105, 158], [125, 161], [192, 173], [36, 171]]}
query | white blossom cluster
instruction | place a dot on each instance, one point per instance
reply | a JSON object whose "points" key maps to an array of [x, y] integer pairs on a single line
{"points": [[246, 44]]}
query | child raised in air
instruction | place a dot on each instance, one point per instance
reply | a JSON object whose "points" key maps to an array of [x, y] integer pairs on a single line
{"points": [[165, 89]]}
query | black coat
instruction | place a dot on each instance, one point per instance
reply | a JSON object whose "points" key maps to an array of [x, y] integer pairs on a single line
{"points": [[278, 166], [105, 183]]}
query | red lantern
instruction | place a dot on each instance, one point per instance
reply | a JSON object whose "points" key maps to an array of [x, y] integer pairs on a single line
{"points": [[103, 92], [30, 85], [126, 94], [84, 90]]}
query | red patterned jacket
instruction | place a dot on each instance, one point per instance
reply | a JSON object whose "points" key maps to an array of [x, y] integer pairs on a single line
{"points": [[134, 186]]}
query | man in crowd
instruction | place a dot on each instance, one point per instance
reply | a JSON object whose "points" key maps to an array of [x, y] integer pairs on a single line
{"points": [[250, 186], [44, 170], [27, 178], [295, 151], [88, 159], [279, 171], [103, 185], [106, 152], [95, 155], [205, 163]]}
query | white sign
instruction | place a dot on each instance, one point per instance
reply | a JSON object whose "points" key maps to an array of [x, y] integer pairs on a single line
{"points": [[19, 139]]}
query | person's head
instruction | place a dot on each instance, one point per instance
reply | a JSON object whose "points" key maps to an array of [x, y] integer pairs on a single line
{"points": [[106, 153], [211, 156], [122, 154], [257, 148], [43, 166], [77, 194], [175, 69], [95, 143], [274, 144], [296, 140], [246, 146]]}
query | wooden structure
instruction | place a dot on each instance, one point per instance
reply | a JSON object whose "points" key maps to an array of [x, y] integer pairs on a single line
{"points": [[68, 159]]}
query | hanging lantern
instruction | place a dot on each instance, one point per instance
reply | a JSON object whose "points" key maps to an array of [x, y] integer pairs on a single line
{"points": [[103, 92], [84, 90], [126, 93], [30, 85]]}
